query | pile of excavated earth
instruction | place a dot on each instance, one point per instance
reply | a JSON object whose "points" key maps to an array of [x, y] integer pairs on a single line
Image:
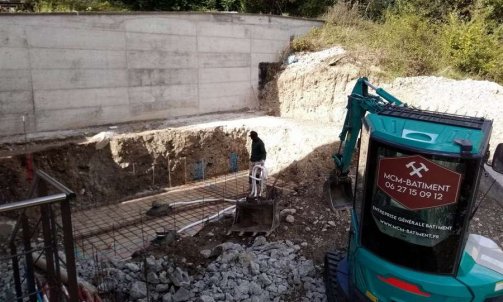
{"points": [[301, 113]]}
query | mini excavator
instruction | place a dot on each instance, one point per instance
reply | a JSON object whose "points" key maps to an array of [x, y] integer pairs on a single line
{"points": [[417, 178]]}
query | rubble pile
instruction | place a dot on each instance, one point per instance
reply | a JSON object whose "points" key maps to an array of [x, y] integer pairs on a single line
{"points": [[264, 271], [7, 289]]}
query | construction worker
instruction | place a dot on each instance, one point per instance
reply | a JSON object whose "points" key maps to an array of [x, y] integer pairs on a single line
{"points": [[258, 153]]}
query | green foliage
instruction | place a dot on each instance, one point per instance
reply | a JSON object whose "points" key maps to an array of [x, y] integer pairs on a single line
{"points": [[343, 14], [75, 5], [403, 37], [161, 5], [303, 44], [494, 10], [472, 48], [311, 8], [435, 10], [417, 37], [304, 8], [409, 44]]}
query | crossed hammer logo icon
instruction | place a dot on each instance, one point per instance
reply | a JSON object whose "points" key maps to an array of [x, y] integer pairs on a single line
{"points": [[417, 171]]}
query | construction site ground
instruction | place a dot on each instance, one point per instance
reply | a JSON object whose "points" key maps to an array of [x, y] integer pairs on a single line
{"points": [[118, 171]]}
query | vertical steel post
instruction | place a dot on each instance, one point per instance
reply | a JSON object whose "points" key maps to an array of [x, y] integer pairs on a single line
{"points": [[66, 219], [15, 271], [30, 276], [54, 243], [49, 254]]}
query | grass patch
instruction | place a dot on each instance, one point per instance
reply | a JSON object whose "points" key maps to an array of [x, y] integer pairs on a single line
{"points": [[410, 44]]}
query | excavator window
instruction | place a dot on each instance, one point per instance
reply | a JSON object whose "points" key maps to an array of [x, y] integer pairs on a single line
{"points": [[410, 216]]}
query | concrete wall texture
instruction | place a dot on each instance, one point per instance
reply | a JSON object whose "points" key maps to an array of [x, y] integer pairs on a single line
{"points": [[72, 71]]}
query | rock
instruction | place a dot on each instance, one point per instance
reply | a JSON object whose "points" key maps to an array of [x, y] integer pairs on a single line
{"points": [[138, 290], [162, 288], [179, 277], [254, 289], [205, 299], [281, 289], [306, 268], [6, 227], [210, 234], [205, 253], [153, 265], [152, 278], [226, 246], [303, 244], [167, 298], [254, 268], [242, 290], [290, 219], [133, 267], [308, 229], [259, 241], [113, 279], [163, 278], [264, 279], [216, 251], [286, 212], [332, 223], [182, 294]]}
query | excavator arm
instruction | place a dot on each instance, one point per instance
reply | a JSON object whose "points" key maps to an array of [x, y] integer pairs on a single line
{"points": [[359, 103]]}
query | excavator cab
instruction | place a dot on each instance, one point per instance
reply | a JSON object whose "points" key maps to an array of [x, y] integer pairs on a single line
{"points": [[418, 173]]}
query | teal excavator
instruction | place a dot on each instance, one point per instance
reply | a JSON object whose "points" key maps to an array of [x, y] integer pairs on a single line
{"points": [[417, 177]]}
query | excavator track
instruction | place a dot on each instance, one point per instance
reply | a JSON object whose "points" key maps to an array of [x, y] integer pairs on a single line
{"points": [[333, 289]]}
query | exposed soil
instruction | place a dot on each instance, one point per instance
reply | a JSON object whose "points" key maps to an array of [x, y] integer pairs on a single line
{"points": [[307, 99], [315, 224]]}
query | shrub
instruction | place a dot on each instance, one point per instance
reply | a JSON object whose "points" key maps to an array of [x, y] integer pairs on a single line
{"points": [[471, 48], [409, 44], [342, 14], [302, 44]]}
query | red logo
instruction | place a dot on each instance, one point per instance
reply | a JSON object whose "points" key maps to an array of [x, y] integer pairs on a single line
{"points": [[418, 183]]}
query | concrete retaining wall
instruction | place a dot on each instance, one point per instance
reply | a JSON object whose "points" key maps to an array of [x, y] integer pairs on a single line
{"points": [[72, 71]]}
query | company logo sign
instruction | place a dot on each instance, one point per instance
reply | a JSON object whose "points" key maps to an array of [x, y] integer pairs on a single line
{"points": [[418, 183]]}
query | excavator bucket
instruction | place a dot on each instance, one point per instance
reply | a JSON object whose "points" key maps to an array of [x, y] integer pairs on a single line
{"points": [[338, 191], [255, 216], [257, 213]]}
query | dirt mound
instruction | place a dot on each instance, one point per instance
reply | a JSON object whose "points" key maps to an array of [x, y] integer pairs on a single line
{"points": [[316, 85]]}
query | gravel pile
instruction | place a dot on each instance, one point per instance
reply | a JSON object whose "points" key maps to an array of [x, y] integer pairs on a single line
{"points": [[309, 60], [154, 279], [7, 289], [264, 271]]}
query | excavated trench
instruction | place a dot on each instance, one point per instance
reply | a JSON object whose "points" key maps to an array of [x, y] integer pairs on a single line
{"points": [[306, 106], [303, 110], [113, 167]]}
